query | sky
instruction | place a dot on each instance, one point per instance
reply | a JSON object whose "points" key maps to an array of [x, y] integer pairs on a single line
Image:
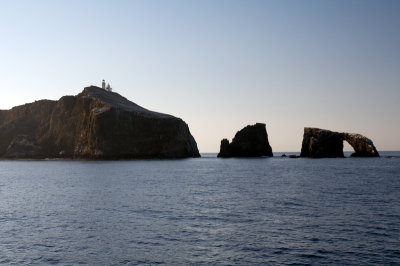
{"points": [[219, 65]]}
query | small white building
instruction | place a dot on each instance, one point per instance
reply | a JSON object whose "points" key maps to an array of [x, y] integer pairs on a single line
{"points": [[104, 87], [108, 87]]}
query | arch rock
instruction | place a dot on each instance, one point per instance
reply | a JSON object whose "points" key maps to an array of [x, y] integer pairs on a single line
{"points": [[322, 143], [363, 146]]}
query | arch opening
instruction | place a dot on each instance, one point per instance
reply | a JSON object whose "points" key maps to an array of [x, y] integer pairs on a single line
{"points": [[348, 150]]}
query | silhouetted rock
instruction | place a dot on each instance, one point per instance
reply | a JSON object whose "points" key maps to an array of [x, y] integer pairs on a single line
{"points": [[94, 124], [363, 146], [251, 141], [318, 143], [224, 149], [321, 143]]}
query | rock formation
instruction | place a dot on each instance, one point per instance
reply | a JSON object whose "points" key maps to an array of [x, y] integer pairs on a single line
{"points": [[320, 143], [251, 141], [363, 146], [95, 124]]}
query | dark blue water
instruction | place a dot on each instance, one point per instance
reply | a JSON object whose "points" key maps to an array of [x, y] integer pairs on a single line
{"points": [[201, 211]]}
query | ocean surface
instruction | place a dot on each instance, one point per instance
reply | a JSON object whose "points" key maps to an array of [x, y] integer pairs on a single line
{"points": [[204, 211]]}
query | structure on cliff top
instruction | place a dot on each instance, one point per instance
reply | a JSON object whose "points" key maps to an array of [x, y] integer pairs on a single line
{"points": [[104, 87]]}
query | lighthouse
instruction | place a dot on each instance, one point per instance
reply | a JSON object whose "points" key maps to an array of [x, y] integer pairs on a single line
{"points": [[104, 87]]}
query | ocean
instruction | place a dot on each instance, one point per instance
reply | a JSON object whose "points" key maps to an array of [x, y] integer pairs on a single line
{"points": [[202, 211]]}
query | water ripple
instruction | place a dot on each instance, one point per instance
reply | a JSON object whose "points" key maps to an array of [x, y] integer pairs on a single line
{"points": [[202, 211]]}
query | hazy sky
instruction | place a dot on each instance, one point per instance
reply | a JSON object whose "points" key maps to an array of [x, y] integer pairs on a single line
{"points": [[219, 65]]}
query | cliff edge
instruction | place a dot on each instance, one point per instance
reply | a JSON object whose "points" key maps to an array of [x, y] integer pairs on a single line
{"points": [[95, 124]]}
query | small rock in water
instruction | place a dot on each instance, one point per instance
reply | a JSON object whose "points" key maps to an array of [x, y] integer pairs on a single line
{"points": [[251, 141]]}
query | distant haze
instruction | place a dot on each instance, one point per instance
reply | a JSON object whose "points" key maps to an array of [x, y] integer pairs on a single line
{"points": [[219, 65]]}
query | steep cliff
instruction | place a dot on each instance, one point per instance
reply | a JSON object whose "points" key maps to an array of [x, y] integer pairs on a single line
{"points": [[318, 143], [251, 141], [321, 143], [95, 124]]}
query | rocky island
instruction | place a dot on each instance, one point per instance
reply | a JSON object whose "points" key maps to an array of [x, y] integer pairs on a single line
{"points": [[95, 124], [321, 143], [251, 141]]}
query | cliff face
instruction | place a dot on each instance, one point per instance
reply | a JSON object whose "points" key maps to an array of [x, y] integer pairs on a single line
{"points": [[320, 143], [251, 141], [93, 124]]}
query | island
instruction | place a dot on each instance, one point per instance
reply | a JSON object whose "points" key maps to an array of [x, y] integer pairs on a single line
{"points": [[322, 143], [251, 141], [95, 124]]}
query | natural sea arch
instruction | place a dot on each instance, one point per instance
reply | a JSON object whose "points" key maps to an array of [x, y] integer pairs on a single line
{"points": [[320, 143], [363, 146]]}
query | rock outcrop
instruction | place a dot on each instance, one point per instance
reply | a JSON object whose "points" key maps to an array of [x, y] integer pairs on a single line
{"points": [[95, 124], [321, 143], [251, 141], [363, 146]]}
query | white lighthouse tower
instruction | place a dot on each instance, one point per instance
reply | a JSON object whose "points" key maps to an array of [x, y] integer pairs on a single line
{"points": [[104, 87]]}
